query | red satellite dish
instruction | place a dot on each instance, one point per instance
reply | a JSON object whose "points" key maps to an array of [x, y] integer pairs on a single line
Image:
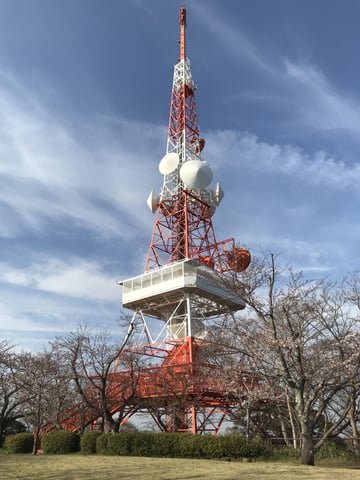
{"points": [[239, 259]]}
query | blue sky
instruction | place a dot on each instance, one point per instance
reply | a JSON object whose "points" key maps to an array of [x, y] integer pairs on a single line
{"points": [[84, 98]]}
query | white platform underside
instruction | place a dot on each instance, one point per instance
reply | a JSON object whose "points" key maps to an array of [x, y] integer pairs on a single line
{"points": [[155, 292]]}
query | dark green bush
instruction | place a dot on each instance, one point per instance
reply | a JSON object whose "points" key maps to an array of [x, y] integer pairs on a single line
{"points": [[19, 443], [60, 441], [184, 445], [153, 444], [164, 444], [238, 446], [194, 446], [232, 446], [120, 443], [285, 453], [142, 444], [333, 450], [88, 441], [102, 444]]}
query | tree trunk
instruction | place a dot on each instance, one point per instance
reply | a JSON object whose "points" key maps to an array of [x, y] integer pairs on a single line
{"points": [[307, 445], [2, 432], [354, 429], [36, 441], [306, 428], [283, 430], [292, 423]]}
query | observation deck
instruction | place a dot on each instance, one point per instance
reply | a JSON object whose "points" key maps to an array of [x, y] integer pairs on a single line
{"points": [[157, 291]]}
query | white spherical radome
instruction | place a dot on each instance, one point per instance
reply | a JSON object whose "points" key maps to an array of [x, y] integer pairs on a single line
{"points": [[196, 174]]}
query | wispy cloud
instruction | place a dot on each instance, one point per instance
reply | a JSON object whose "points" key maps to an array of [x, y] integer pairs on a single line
{"points": [[78, 172], [29, 319], [281, 198], [51, 296], [74, 277], [300, 87], [319, 169], [321, 105], [235, 41]]}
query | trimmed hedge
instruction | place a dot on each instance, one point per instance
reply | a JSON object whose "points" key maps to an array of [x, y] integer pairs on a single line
{"points": [[181, 445], [19, 443], [147, 444], [88, 441], [164, 444], [101, 443], [60, 441], [196, 446]]}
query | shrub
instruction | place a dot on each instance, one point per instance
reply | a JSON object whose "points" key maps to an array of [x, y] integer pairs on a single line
{"points": [[153, 444], [149, 444], [164, 444], [184, 445], [333, 450], [60, 441], [238, 446], [102, 444], [194, 446], [285, 453], [19, 443], [119, 443], [142, 444], [233, 446], [88, 441]]}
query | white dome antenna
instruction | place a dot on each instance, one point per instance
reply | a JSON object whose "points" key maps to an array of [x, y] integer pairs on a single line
{"points": [[196, 174], [169, 163]]}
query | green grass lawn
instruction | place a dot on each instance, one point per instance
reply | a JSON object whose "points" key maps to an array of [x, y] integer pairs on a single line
{"points": [[97, 467]]}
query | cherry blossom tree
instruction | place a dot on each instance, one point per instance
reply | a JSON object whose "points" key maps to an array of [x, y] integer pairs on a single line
{"points": [[45, 389], [299, 338], [94, 360], [10, 401]]}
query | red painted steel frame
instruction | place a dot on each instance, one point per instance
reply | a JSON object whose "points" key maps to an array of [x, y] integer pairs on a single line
{"points": [[180, 389]]}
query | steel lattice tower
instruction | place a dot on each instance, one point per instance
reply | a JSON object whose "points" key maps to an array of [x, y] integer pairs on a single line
{"points": [[183, 290], [184, 280], [183, 227]]}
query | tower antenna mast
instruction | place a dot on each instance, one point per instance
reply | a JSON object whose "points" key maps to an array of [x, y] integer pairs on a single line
{"points": [[183, 226], [182, 19]]}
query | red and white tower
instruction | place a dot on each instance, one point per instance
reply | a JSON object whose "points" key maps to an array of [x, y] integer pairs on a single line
{"points": [[184, 283], [181, 295]]}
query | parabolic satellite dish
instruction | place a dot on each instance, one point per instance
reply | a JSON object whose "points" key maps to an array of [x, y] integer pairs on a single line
{"points": [[196, 174], [218, 193], [169, 163], [153, 201]]}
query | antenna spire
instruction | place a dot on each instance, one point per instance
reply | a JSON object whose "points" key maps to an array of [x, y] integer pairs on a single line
{"points": [[182, 19]]}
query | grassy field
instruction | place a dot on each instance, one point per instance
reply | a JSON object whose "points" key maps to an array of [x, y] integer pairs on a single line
{"points": [[81, 467]]}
